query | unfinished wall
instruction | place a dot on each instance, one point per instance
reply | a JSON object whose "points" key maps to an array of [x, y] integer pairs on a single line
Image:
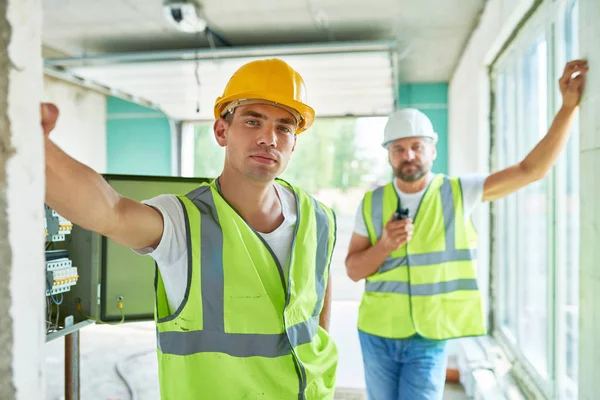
{"points": [[21, 202], [81, 127], [589, 269], [6, 151]]}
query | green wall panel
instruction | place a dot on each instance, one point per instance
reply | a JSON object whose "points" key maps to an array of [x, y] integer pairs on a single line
{"points": [[432, 100], [138, 139]]}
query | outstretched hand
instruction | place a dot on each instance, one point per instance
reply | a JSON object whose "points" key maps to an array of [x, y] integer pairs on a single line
{"points": [[49, 114], [572, 82]]}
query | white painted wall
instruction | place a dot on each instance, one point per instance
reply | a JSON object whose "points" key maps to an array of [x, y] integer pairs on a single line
{"points": [[81, 127], [589, 290], [25, 195], [469, 108]]}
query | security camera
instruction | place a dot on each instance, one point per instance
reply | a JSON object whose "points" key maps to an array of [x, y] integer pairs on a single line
{"points": [[185, 15]]}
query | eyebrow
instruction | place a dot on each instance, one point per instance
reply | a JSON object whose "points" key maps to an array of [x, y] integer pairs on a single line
{"points": [[287, 121]]}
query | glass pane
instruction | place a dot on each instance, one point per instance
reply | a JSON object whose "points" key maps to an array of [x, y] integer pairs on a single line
{"points": [[506, 226], [337, 161], [512, 154], [208, 155], [500, 206], [570, 315], [533, 216]]}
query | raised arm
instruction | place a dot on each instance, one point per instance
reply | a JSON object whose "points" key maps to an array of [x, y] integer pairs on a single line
{"points": [[81, 195], [543, 156]]}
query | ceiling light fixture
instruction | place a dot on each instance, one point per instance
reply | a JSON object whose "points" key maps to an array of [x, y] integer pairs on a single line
{"points": [[185, 15]]}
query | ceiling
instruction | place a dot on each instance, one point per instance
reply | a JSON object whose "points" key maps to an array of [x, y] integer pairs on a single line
{"points": [[338, 84], [431, 33]]}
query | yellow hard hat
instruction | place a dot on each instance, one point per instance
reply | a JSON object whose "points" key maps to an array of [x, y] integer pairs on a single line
{"points": [[270, 81]]}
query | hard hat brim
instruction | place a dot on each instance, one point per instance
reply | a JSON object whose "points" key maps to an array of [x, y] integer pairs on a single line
{"points": [[306, 112], [387, 144]]}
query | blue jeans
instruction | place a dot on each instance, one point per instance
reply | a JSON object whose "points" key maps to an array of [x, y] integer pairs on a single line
{"points": [[403, 369]]}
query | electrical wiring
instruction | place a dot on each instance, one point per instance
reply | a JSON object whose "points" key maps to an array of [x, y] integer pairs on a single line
{"points": [[52, 295], [58, 303], [119, 305], [118, 366], [57, 314], [52, 323], [49, 321], [120, 371]]}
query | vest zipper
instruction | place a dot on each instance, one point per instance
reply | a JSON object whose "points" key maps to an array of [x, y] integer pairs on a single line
{"points": [[297, 364], [299, 367]]}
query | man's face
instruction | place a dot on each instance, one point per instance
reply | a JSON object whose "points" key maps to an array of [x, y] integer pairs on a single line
{"points": [[411, 158], [258, 139]]}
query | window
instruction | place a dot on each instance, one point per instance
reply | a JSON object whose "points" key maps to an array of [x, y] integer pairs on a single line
{"points": [[522, 219], [567, 187], [535, 246], [533, 215]]}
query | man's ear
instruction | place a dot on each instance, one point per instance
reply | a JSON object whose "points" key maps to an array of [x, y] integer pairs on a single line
{"points": [[295, 141], [220, 130], [434, 150]]}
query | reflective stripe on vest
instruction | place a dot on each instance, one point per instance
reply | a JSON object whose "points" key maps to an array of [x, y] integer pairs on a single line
{"points": [[451, 253], [238, 344], [428, 289], [213, 338]]}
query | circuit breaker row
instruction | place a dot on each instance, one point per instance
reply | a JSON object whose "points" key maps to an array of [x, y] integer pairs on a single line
{"points": [[61, 275]]}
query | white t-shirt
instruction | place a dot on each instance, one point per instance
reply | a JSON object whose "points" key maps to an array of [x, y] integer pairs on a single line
{"points": [[171, 253], [472, 188]]}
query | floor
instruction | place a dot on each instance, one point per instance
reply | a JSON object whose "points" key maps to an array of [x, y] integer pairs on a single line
{"points": [[452, 392]]}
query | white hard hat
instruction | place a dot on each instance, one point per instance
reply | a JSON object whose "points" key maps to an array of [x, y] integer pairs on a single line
{"points": [[405, 123]]}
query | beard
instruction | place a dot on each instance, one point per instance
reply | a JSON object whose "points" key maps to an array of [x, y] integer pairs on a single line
{"points": [[410, 174]]}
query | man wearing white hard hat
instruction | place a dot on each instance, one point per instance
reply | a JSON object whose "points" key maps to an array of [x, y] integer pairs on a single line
{"points": [[415, 244]]}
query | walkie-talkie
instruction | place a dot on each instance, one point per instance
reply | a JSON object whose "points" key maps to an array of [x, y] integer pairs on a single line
{"points": [[401, 213]]}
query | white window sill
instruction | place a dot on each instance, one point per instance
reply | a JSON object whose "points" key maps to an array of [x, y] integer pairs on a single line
{"points": [[487, 374]]}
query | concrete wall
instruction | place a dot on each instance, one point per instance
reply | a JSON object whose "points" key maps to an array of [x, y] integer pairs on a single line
{"points": [[139, 139], [432, 100], [21, 202], [81, 127], [589, 282], [469, 107]]}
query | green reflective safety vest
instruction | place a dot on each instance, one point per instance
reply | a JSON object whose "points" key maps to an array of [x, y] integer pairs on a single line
{"points": [[427, 286], [243, 331]]}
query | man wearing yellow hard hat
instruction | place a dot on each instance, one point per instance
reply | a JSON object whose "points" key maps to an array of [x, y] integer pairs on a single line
{"points": [[242, 293], [415, 245]]}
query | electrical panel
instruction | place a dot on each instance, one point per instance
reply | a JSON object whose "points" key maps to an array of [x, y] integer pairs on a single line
{"points": [[96, 279], [60, 272]]}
